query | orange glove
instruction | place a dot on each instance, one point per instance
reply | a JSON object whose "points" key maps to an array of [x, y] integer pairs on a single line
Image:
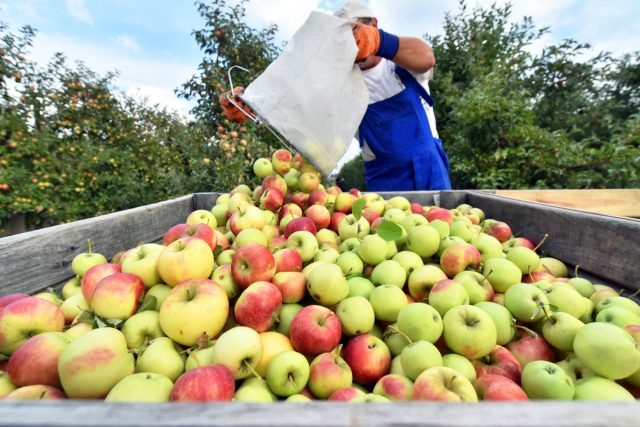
{"points": [[367, 38], [232, 112]]}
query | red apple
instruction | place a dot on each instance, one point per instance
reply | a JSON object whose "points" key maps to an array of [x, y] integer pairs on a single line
{"points": [[317, 197], [370, 214], [204, 384], [299, 224], [36, 392], [26, 317], [459, 256], [272, 199], [274, 181], [117, 296], [320, 216], [336, 217], [36, 361], [346, 394], [498, 387], [8, 299], [442, 214], [315, 329], [289, 209], [252, 263], [369, 358], [287, 259], [200, 230], [530, 346], [258, 305], [292, 285], [499, 362], [498, 229], [94, 275]]}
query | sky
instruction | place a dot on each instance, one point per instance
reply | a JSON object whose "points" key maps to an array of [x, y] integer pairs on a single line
{"points": [[150, 42]]}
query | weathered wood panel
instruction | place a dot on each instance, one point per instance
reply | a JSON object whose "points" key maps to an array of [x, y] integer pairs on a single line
{"points": [[205, 200], [604, 246], [508, 414], [618, 202], [33, 261]]}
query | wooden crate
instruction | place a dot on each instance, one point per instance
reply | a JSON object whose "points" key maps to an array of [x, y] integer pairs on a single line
{"points": [[606, 247]]}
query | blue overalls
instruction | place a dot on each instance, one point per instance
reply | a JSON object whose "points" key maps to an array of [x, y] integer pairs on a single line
{"points": [[408, 156]]}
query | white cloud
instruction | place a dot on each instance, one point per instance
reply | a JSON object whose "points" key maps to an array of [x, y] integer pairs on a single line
{"points": [[127, 42], [79, 10]]}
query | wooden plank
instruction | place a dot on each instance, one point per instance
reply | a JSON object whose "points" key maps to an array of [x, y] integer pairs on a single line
{"points": [[618, 202], [30, 262], [483, 414], [604, 246], [205, 200]]}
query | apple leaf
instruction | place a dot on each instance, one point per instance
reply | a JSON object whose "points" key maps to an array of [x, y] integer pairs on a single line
{"points": [[99, 323], [357, 207], [149, 303], [389, 230]]}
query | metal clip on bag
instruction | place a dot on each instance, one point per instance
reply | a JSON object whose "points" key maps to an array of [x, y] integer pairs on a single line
{"points": [[313, 95]]}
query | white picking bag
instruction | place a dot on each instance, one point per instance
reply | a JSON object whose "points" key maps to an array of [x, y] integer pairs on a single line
{"points": [[313, 95]]}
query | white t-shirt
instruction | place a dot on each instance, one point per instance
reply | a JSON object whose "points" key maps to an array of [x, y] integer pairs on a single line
{"points": [[383, 83]]}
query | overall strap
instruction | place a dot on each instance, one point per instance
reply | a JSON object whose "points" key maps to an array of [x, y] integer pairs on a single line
{"points": [[409, 81]]}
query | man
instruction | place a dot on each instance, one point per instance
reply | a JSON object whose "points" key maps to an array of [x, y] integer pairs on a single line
{"points": [[397, 135]]}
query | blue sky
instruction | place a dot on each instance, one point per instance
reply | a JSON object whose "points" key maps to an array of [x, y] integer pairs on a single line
{"points": [[150, 43]]}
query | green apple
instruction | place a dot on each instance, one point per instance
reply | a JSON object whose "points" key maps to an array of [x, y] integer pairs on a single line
{"points": [[607, 349], [240, 350], [527, 260], [619, 301], [544, 380], [413, 219], [287, 313], [6, 386], [360, 286], [159, 292], [419, 356], [141, 387], [352, 244], [288, 373], [422, 279], [501, 273], [162, 356], [584, 286], [93, 363], [469, 331], [394, 339], [618, 316], [526, 302], [305, 243], [394, 215], [349, 227], [142, 328], [198, 358], [420, 321], [85, 260], [327, 285], [389, 272], [565, 298], [447, 294], [250, 235], [254, 390], [462, 229], [560, 330], [423, 240], [373, 249], [502, 318], [410, 261], [460, 364], [143, 262], [442, 226], [443, 384], [489, 246], [476, 285], [356, 315], [327, 254], [387, 301], [554, 266], [71, 287], [598, 388], [194, 309]]}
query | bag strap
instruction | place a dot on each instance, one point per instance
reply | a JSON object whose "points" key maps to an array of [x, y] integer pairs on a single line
{"points": [[408, 80]]}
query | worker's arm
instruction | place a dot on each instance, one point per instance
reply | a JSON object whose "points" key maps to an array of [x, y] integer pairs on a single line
{"points": [[410, 53]]}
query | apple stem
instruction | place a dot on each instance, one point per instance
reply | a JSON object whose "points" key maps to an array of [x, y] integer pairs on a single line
{"points": [[250, 369], [575, 272], [542, 306], [635, 294], [531, 332], [399, 332], [89, 245], [541, 242], [336, 351]]}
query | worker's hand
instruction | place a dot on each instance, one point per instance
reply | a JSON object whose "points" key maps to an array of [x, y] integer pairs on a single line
{"points": [[367, 38], [232, 112]]}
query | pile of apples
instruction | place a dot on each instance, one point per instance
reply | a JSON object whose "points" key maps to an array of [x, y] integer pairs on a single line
{"points": [[294, 292]]}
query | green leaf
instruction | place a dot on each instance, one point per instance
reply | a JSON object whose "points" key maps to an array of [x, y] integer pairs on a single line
{"points": [[99, 323], [357, 207], [149, 304], [389, 231]]}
